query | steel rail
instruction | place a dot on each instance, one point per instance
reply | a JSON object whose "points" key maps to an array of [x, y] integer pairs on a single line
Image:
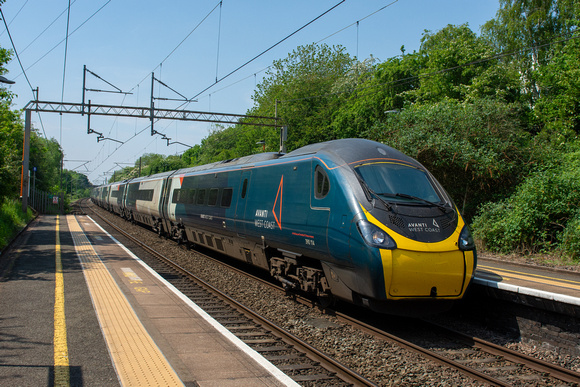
{"points": [[554, 370], [477, 375]]}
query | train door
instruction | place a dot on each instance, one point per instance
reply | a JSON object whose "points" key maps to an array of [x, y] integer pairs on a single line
{"points": [[240, 217], [164, 201], [320, 206]]}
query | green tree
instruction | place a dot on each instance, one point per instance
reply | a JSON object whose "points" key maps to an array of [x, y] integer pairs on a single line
{"points": [[559, 105], [303, 84], [525, 29], [76, 184], [541, 214], [45, 156], [11, 132], [450, 60]]}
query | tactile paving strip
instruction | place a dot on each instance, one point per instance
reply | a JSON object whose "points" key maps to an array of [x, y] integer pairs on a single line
{"points": [[137, 359]]}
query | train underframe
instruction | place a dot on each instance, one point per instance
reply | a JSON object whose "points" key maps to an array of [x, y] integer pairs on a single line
{"points": [[292, 270]]}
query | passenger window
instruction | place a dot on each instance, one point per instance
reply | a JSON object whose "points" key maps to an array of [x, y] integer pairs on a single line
{"points": [[227, 197], [244, 188], [213, 196], [176, 194], [321, 183], [201, 196], [191, 196]]}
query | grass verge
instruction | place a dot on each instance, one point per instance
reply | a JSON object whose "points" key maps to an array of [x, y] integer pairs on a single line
{"points": [[12, 220]]}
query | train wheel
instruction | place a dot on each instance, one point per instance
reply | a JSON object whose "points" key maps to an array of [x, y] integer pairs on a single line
{"points": [[325, 301]]}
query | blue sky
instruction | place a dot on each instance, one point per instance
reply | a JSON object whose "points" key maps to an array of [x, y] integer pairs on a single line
{"points": [[124, 41]]}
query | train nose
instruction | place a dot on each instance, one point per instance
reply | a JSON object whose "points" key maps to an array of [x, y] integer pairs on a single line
{"points": [[425, 274]]}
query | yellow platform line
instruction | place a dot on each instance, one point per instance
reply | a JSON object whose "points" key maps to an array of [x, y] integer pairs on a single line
{"points": [[61, 363], [563, 283], [137, 359]]}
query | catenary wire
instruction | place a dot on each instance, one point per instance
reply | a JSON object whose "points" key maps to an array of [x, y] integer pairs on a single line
{"points": [[268, 49], [15, 16], [47, 27], [59, 43], [20, 63]]}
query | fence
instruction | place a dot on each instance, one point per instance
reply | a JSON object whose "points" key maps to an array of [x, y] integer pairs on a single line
{"points": [[46, 203]]}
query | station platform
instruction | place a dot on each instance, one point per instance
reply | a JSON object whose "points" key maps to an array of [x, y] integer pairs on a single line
{"points": [[77, 308], [550, 289]]}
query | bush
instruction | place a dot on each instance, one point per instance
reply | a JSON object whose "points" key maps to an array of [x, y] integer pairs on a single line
{"points": [[11, 220], [479, 152], [570, 238], [540, 216]]}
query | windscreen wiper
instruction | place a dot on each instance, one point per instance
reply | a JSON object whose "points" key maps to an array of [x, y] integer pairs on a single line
{"points": [[370, 193], [406, 196]]}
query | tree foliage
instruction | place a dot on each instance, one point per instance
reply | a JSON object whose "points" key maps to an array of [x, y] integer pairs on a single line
{"points": [[303, 84], [542, 213], [478, 152]]}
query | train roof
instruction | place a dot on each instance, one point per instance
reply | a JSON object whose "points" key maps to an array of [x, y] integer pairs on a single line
{"points": [[246, 160], [351, 150], [342, 152]]}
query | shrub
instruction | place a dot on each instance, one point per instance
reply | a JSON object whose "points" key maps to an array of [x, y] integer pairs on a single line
{"points": [[11, 220], [479, 152], [570, 238], [541, 215]]}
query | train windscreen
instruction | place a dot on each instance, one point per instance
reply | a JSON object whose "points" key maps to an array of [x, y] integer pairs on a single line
{"points": [[398, 182]]}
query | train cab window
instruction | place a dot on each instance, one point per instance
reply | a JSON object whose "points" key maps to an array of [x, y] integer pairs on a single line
{"points": [[213, 197], [227, 197], [201, 196], [321, 183], [244, 188]]}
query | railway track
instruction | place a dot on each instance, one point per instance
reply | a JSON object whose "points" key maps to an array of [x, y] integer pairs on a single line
{"points": [[302, 362], [478, 359]]}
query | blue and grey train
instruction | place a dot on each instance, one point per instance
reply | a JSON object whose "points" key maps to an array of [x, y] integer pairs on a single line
{"points": [[348, 219]]}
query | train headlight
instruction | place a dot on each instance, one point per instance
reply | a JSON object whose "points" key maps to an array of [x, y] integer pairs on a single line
{"points": [[465, 241], [374, 236]]}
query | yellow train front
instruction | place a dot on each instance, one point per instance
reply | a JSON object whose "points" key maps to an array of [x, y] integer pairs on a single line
{"points": [[410, 251]]}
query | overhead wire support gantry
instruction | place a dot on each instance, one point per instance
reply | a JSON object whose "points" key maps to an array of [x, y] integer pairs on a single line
{"points": [[147, 113], [152, 113]]}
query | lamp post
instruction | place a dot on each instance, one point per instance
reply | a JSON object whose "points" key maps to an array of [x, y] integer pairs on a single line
{"points": [[4, 80]]}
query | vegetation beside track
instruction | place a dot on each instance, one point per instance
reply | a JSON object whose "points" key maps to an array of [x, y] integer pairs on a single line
{"points": [[12, 220]]}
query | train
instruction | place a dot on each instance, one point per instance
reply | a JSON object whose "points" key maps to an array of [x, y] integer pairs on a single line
{"points": [[351, 220]]}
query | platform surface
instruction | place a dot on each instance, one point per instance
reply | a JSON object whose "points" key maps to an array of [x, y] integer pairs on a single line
{"points": [[551, 284], [103, 317]]}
